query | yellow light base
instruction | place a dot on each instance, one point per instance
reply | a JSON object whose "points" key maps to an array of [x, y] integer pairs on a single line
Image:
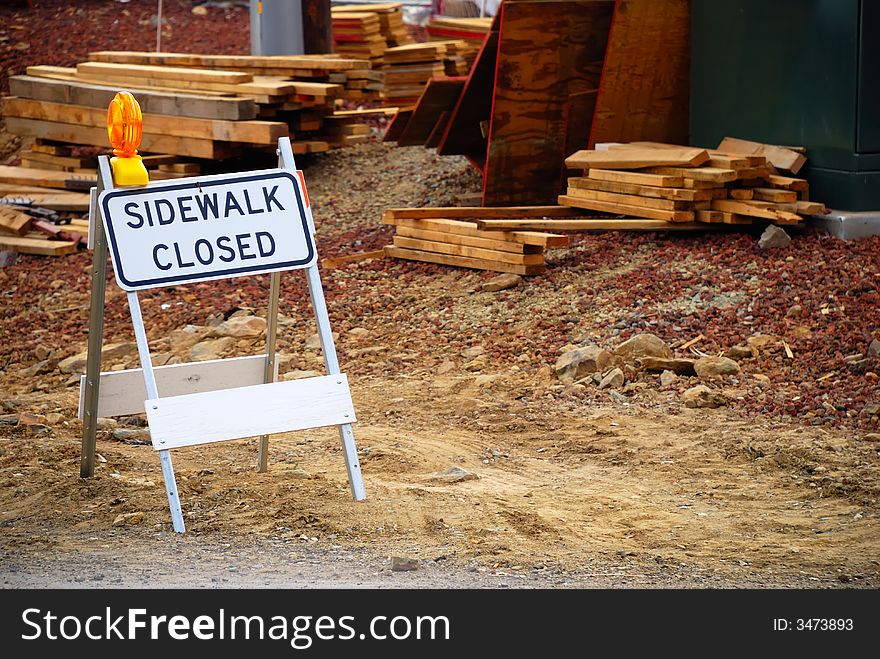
{"points": [[129, 171]]}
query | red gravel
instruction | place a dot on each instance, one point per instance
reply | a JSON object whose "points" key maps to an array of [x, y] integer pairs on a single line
{"points": [[63, 33]]}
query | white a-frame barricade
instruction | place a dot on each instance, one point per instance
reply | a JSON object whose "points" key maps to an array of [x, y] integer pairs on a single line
{"points": [[200, 229]]}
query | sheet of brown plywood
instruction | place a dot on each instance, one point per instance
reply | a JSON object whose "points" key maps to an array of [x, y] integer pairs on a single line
{"points": [[463, 136], [644, 90], [548, 54], [439, 96], [397, 125]]}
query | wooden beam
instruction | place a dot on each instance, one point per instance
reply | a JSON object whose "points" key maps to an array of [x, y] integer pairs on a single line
{"points": [[631, 199], [472, 241], [637, 224], [110, 70], [627, 209], [470, 229], [14, 221], [463, 261], [779, 157], [636, 158], [38, 246], [709, 174], [636, 178], [450, 212], [437, 247]]}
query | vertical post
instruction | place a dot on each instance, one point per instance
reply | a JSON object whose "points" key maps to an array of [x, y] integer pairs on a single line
{"points": [[96, 328], [331, 362], [159, 28], [140, 335], [317, 27], [269, 372]]}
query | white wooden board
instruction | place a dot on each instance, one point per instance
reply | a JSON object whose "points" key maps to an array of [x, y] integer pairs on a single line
{"points": [[124, 392], [263, 409]]}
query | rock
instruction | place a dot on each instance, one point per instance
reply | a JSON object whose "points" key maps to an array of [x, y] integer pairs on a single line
{"points": [[874, 348], [401, 564], [131, 435], [871, 409], [477, 364], [358, 333], [110, 352], [794, 311], [240, 327], [445, 367], [242, 312], [454, 475], [45, 366], [211, 349], [38, 429], [713, 367], [762, 380], [774, 236], [41, 352], [613, 379], [29, 419], [618, 397], [643, 345], [474, 351], [8, 419], [54, 418], [299, 375], [200, 11], [702, 396], [186, 338], [314, 341], [761, 341], [128, 519], [871, 437], [859, 365], [740, 352], [682, 366], [501, 283], [575, 364], [106, 423], [667, 378]]}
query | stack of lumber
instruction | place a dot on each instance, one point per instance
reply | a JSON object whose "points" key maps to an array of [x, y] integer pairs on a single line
{"points": [[35, 207], [357, 34], [408, 69], [737, 183], [360, 84], [450, 236], [390, 19], [192, 107], [459, 58], [473, 30], [48, 155]]}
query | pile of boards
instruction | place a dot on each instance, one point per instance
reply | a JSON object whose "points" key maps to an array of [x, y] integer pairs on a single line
{"points": [[452, 236], [198, 106], [41, 211], [736, 183], [366, 30], [472, 30], [409, 68]]}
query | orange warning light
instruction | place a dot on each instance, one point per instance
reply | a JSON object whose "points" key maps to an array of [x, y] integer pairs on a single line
{"points": [[124, 124], [125, 128]]}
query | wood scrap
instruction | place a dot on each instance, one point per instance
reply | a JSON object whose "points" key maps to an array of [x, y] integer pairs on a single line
{"points": [[778, 156], [636, 158]]}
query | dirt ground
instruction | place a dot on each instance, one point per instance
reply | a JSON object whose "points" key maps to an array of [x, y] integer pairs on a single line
{"points": [[574, 486]]}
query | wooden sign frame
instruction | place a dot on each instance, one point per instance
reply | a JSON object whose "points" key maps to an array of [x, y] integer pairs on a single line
{"points": [[203, 401]]}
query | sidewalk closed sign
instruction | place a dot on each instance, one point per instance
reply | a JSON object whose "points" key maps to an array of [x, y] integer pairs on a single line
{"points": [[204, 228]]}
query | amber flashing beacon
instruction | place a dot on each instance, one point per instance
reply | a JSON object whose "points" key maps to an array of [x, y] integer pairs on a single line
{"points": [[124, 128]]}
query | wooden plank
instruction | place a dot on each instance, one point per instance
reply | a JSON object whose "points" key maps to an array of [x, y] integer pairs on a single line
{"points": [[710, 174], [742, 194], [39, 246], [109, 70], [40, 178], [450, 212], [774, 195], [637, 178], [549, 63], [123, 392], [261, 409], [710, 217], [627, 209], [788, 183], [644, 88], [436, 247], [636, 158], [640, 224], [682, 194], [439, 96], [14, 222], [93, 135], [744, 208], [251, 132], [630, 199], [734, 218], [470, 229], [151, 102], [472, 241], [779, 157], [292, 62], [64, 161], [463, 261], [811, 208]]}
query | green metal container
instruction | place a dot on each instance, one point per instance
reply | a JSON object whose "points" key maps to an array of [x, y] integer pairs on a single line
{"points": [[794, 72]]}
